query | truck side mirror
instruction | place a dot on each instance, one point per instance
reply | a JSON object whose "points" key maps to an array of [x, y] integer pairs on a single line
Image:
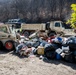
{"points": [[12, 27]]}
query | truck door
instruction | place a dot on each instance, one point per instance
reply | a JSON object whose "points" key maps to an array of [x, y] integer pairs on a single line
{"points": [[47, 26], [58, 26]]}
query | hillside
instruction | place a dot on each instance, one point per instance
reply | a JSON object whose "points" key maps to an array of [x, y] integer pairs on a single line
{"points": [[35, 10]]}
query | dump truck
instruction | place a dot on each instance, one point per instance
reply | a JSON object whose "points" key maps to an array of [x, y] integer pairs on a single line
{"points": [[56, 27], [7, 37]]}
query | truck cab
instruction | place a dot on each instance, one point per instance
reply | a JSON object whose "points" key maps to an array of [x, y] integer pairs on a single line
{"points": [[60, 28], [7, 37], [55, 26]]}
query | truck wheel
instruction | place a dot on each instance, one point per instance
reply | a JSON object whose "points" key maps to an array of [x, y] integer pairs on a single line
{"points": [[31, 32], [1, 45], [9, 45], [26, 34], [52, 33]]}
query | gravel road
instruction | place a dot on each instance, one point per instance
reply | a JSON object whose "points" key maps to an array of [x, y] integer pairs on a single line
{"points": [[11, 64]]}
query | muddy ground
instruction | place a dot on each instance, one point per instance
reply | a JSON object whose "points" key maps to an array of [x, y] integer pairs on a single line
{"points": [[11, 64]]}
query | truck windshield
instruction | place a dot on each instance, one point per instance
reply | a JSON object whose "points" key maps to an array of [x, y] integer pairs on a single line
{"points": [[3, 29], [17, 26]]}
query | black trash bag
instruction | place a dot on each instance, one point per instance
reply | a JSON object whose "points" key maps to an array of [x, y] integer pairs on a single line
{"points": [[74, 55], [1, 45], [71, 42], [36, 44], [49, 52], [69, 57], [57, 45], [29, 44], [35, 51]]}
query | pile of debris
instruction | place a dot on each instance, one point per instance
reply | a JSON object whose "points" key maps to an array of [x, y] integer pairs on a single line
{"points": [[52, 47]]}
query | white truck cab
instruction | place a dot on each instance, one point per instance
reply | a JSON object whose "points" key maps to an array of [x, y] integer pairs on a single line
{"points": [[7, 37]]}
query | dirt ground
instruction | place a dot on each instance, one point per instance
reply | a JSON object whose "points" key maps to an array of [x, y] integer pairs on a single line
{"points": [[11, 64]]}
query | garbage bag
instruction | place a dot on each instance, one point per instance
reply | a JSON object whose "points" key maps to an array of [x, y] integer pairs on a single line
{"points": [[74, 56], [57, 40], [34, 51], [29, 44], [49, 52], [69, 57], [36, 44], [20, 46], [43, 43], [58, 56], [24, 51], [71, 42], [57, 45]]}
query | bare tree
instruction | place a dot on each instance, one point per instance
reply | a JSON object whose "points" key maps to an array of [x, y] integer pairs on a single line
{"points": [[35, 10]]}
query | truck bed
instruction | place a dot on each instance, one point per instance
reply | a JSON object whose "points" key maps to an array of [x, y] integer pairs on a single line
{"points": [[33, 26]]}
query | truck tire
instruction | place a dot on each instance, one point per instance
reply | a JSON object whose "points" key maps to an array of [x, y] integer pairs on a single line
{"points": [[31, 32], [26, 34], [1, 45], [52, 33], [9, 45]]}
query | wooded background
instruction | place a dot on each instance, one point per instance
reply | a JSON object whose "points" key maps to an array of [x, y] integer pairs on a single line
{"points": [[35, 10]]}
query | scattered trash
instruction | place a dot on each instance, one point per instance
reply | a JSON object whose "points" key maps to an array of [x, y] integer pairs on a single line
{"points": [[69, 57], [40, 50], [59, 51], [58, 56], [71, 42], [49, 52], [41, 57], [32, 56], [54, 47]]}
